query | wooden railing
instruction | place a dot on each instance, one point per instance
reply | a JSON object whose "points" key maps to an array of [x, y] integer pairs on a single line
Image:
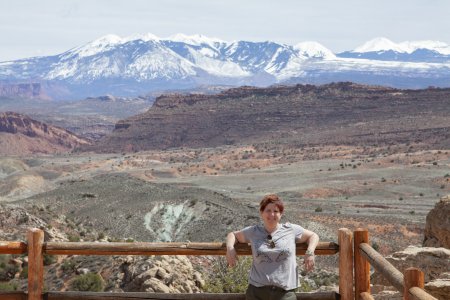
{"points": [[354, 258], [410, 284]]}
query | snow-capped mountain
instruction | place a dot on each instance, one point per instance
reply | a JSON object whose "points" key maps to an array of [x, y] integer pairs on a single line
{"points": [[415, 51], [314, 50], [141, 63]]}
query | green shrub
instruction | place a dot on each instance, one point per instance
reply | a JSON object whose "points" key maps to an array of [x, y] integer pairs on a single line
{"points": [[223, 279], [305, 287], [24, 273], [327, 279], [49, 259], [68, 266], [90, 282], [73, 238], [8, 287], [8, 272], [4, 258], [101, 236], [318, 209], [375, 246]]}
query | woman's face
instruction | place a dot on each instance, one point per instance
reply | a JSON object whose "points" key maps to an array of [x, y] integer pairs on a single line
{"points": [[271, 214]]}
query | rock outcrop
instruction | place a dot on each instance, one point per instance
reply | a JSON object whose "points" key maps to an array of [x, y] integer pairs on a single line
{"points": [[339, 113], [159, 274], [15, 221], [437, 229], [163, 274], [20, 134]]}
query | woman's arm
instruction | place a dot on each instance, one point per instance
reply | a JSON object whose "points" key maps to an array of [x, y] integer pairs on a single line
{"points": [[312, 239], [232, 237]]}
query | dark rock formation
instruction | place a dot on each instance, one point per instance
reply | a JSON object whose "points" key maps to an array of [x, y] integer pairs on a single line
{"points": [[338, 113]]}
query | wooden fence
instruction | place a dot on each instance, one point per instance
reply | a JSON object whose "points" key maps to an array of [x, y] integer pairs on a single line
{"points": [[355, 257]]}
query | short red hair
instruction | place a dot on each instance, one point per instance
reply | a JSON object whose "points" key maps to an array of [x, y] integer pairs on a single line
{"points": [[272, 198]]}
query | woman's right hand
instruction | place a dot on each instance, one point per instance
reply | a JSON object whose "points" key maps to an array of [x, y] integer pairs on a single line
{"points": [[231, 257]]}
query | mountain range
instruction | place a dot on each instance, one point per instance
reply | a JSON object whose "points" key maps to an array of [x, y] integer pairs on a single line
{"points": [[143, 63]]}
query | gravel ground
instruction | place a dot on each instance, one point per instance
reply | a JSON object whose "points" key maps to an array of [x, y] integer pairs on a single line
{"points": [[202, 194]]}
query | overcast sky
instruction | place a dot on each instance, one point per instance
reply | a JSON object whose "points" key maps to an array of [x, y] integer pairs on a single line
{"points": [[48, 27]]}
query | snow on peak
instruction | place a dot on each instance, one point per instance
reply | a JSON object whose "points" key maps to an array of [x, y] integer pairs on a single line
{"points": [[99, 45], [108, 39], [383, 44], [196, 39], [437, 46], [107, 42], [313, 50], [144, 37], [380, 44]]}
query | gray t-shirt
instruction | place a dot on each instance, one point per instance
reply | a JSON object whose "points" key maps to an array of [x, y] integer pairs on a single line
{"points": [[274, 266]]}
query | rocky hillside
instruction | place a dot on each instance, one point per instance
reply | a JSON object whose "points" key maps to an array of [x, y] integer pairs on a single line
{"points": [[20, 134], [164, 274], [300, 115], [151, 212]]}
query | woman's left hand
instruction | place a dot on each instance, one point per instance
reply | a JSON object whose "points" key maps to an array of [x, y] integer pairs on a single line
{"points": [[309, 262]]}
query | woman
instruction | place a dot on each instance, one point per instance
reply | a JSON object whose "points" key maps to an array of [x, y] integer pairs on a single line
{"points": [[274, 273]]}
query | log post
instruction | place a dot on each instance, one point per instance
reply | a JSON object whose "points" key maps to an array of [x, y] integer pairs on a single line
{"points": [[379, 263], [362, 266], [413, 278], [35, 264], [345, 238]]}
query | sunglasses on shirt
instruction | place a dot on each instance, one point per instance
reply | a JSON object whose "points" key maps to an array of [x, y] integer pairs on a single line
{"points": [[270, 241]]}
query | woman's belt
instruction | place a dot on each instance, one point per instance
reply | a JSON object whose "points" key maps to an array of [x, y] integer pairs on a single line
{"points": [[272, 288]]}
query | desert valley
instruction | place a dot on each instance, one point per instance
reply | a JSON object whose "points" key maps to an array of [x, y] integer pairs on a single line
{"points": [[193, 166]]}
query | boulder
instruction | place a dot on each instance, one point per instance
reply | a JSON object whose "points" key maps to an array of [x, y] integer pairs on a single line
{"points": [[388, 295], [154, 285], [82, 271], [165, 274], [437, 228], [439, 288]]}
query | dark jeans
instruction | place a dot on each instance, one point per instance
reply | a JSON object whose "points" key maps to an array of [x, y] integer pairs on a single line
{"points": [[269, 293]]}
